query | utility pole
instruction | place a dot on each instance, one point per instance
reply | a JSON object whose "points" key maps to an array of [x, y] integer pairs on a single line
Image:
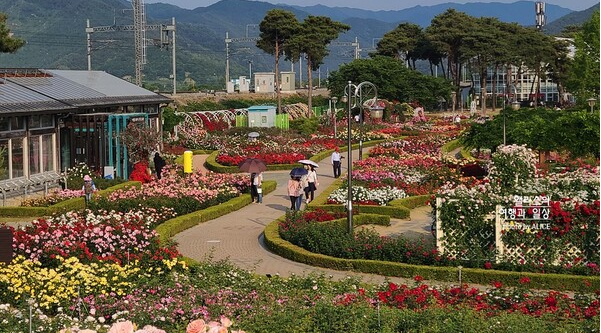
{"points": [[89, 31], [165, 41], [139, 38], [161, 27], [227, 58]]}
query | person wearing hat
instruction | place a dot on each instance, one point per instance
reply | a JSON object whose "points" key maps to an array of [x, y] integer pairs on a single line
{"points": [[336, 162], [88, 188]]}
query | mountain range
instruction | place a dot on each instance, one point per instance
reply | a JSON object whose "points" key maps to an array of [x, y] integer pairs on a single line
{"points": [[56, 38]]}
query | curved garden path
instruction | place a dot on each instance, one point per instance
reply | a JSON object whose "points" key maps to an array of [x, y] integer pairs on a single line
{"points": [[238, 236]]}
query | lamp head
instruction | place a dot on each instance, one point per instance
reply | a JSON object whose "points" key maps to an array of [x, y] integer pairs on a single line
{"points": [[334, 99], [591, 101], [515, 105], [344, 99]]}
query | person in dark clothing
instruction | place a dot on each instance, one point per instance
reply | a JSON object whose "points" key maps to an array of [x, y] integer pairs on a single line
{"points": [[159, 164]]}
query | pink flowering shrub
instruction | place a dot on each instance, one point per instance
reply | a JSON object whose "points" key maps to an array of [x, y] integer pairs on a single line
{"points": [[106, 236]]}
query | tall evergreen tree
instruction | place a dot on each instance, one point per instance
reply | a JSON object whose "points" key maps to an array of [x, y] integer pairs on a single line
{"points": [[8, 44], [277, 27], [584, 73], [312, 40]]}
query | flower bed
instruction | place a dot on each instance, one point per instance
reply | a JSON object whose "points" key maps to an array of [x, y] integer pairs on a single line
{"points": [[184, 193], [568, 240]]}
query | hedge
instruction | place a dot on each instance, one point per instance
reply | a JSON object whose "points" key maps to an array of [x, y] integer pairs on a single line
{"points": [[274, 243]]}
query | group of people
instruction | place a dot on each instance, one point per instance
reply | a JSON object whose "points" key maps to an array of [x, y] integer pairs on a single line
{"points": [[303, 185]]}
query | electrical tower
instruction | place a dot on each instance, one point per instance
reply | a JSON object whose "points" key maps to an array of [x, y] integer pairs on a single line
{"points": [[139, 28], [139, 38], [541, 18]]}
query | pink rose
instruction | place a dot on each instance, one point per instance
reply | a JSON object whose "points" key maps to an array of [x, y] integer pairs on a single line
{"points": [[150, 329], [225, 321], [196, 326], [122, 327]]}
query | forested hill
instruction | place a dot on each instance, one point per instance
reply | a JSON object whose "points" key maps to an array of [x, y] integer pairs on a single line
{"points": [[56, 38]]}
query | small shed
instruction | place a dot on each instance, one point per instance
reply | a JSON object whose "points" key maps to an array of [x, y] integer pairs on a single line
{"points": [[287, 82], [264, 83], [261, 116]]}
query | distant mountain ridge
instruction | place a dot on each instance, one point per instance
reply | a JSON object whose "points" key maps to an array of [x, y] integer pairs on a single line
{"points": [[521, 12], [55, 34]]}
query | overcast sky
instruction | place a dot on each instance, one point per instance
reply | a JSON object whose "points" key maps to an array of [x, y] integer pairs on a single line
{"points": [[379, 4]]}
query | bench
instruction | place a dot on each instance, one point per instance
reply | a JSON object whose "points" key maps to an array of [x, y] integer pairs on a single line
{"points": [[13, 184], [45, 179]]}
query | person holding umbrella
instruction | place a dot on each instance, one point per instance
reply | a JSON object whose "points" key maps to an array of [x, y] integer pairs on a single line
{"points": [[294, 190], [255, 187], [312, 183]]}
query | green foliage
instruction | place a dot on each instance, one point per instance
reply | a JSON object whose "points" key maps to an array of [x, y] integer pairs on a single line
{"points": [[171, 119], [393, 80], [305, 126], [584, 73], [8, 44], [541, 129]]}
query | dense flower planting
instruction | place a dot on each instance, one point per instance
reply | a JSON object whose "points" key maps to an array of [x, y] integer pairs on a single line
{"points": [[184, 193], [191, 300], [106, 236], [367, 196], [140, 173], [565, 238], [53, 197], [413, 165], [492, 302]]}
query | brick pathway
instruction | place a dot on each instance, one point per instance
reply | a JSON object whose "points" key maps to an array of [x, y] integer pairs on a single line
{"points": [[238, 236]]}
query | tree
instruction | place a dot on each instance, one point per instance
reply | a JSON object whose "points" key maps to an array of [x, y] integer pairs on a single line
{"points": [[484, 48], [393, 79], [8, 44], [447, 32], [401, 42], [312, 39], [277, 27], [583, 79]]}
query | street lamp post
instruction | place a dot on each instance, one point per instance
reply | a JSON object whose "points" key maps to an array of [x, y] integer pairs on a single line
{"points": [[349, 199], [334, 100], [356, 94], [591, 102]]}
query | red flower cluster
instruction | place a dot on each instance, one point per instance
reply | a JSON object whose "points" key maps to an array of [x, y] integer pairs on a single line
{"points": [[493, 302], [285, 158], [140, 173]]}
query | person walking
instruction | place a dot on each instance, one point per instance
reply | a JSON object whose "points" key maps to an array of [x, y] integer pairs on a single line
{"points": [[294, 190], [256, 183], [159, 164], [304, 185], [335, 159], [312, 182], [88, 188], [253, 187]]}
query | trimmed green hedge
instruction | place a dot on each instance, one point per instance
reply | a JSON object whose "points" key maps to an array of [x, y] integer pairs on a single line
{"points": [[274, 243], [23, 211], [61, 207], [178, 224]]}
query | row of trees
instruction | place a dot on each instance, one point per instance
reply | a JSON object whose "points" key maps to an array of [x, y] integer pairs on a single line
{"points": [[576, 132], [484, 44], [283, 35]]}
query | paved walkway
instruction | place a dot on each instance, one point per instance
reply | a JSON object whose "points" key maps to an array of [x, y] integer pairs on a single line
{"points": [[238, 236]]}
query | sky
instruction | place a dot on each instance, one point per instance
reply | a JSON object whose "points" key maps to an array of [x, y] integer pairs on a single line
{"points": [[378, 4]]}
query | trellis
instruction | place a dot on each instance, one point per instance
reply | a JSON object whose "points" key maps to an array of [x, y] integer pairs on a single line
{"points": [[525, 252]]}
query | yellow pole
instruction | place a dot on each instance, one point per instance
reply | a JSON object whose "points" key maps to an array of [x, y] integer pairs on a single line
{"points": [[188, 161]]}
